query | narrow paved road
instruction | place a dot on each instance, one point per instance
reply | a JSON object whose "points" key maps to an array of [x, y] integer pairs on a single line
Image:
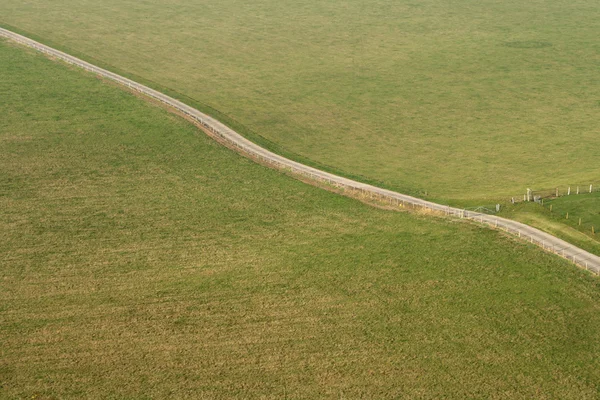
{"points": [[233, 139]]}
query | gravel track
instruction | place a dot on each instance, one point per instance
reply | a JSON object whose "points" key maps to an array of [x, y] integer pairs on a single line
{"points": [[533, 235]]}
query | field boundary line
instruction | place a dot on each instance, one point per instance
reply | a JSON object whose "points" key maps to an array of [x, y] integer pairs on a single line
{"points": [[240, 144]]}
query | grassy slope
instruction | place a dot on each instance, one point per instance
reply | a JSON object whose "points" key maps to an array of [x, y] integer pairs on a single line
{"points": [[459, 100], [584, 206], [138, 259]]}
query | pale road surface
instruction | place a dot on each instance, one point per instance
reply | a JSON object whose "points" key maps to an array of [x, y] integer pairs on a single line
{"points": [[239, 143]]}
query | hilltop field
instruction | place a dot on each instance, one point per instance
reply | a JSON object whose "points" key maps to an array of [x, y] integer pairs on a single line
{"points": [[463, 101], [140, 259]]}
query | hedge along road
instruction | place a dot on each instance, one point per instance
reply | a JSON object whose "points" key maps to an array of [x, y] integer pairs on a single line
{"points": [[242, 145]]}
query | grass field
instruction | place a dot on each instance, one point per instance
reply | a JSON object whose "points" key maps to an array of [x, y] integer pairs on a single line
{"points": [[139, 259], [583, 206], [453, 101], [552, 217]]}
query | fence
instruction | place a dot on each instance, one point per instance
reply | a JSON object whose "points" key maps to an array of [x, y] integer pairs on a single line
{"points": [[235, 141], [559, 191], [583, 225]]}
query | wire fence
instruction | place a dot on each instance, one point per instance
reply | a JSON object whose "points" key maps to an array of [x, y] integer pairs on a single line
{"points": [[538, 195], [546, 198], [237, 142]]}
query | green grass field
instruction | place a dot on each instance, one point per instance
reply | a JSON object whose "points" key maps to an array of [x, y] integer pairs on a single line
{"points": [[583, 206], [583, 214], [139, 259], [454, 101]]}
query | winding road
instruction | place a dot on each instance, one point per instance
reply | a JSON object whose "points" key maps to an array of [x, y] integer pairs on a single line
{"points": [[234, 140]]}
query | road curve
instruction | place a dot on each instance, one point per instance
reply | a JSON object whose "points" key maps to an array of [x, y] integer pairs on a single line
{"points": [[548, 242]]}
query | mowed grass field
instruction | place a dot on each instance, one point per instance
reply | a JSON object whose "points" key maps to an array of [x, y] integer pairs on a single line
{"points": [[140, 259], [452, 101]]}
